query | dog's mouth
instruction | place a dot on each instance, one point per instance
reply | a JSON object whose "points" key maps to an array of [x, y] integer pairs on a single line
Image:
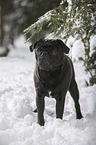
{"points": [[50, 69], [53, 68], [48, 65]]}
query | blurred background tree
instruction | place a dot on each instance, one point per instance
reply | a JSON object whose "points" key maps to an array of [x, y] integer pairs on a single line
{"points": [[16, 15], [5, 9]]}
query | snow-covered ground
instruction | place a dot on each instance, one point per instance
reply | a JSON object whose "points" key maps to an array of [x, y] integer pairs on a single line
{"points": [[18, 123]]}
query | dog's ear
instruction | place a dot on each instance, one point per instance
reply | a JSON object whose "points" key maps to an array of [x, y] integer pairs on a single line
{"points": [[32, 47], [65, 48]]}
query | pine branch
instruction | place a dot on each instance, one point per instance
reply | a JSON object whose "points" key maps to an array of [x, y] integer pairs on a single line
{"points": [[47, 19], [69, 21]]}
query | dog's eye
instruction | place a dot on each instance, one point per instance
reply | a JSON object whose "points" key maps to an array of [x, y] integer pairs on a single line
{"points": [[40, 52]]}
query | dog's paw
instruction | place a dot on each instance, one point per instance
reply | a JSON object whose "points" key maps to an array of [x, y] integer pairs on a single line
{"points": [[79, 116], [35, 111], [41, 123]]}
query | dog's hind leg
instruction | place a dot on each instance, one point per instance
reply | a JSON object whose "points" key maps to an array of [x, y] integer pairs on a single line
{"points": [[35, 111], [75, 95]]}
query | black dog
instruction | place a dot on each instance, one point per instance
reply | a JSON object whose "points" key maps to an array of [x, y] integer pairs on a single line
{"points": [[54, 73]]}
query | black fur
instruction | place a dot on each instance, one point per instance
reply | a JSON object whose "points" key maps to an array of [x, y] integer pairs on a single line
{"points": [[54, 73]]}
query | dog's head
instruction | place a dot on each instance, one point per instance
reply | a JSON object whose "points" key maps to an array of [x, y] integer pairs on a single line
{"points": [[49, 53]]}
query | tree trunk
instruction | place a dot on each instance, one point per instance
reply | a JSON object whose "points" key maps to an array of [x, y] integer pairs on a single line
{"points": [[1, 26], [5, 53]]}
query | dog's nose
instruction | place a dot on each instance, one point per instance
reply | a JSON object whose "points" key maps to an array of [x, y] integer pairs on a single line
{"points": [[54, 52], [45, 57], [52, 68]]}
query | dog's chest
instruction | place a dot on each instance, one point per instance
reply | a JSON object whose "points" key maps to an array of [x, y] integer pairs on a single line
{"points": [[49, 79], [53, 80]]}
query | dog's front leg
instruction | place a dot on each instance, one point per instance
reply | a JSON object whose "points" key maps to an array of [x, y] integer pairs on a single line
{"points": [[60, 101], [40, 109]]}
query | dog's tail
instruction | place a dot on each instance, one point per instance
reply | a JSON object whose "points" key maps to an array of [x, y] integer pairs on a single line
{"points": [[35, 111]]}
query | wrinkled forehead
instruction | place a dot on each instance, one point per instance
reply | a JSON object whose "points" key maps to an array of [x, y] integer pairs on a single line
{"points": [[48, 46], [44, 47]]}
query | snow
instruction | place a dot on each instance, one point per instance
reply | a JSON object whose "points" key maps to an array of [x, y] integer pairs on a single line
{"points": [[92, 44], [77, 50], [18, 122]]}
